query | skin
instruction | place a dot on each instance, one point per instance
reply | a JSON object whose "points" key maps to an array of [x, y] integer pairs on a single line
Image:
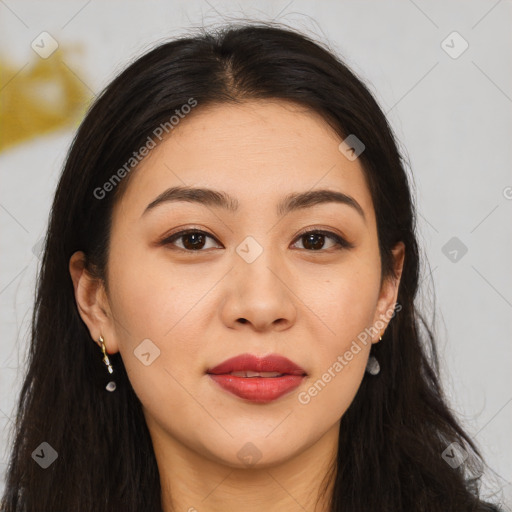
{"points": [[308, 305]]}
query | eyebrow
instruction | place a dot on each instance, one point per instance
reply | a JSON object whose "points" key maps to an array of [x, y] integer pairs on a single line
{"points": [[216, 198]]}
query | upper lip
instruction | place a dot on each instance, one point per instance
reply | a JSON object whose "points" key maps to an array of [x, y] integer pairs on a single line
{"points": [[269, 363]]}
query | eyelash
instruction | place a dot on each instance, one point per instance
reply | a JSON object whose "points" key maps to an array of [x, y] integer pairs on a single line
{"points": [[341, 242]]}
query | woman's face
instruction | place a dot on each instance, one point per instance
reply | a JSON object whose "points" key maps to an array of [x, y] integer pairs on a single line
{"points": [[249, 283]]}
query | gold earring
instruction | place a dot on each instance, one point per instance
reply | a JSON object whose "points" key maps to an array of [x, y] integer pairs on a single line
{"points": [[105, 357], [111, 386]]}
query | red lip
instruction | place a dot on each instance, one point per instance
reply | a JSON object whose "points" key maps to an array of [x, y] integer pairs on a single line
{"points": [[270, 363], [258, 389]]}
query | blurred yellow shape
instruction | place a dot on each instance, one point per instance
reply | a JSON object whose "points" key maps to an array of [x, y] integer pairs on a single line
{"points": [[44, 97]]}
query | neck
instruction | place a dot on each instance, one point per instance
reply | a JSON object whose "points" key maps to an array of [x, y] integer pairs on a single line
{"points": [[193, 483]]}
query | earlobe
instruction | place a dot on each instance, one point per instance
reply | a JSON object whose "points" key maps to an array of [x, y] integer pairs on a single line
{"points": [[91, 301]]}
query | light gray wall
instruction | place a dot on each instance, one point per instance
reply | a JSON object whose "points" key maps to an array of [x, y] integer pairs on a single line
{"points": [[452, 116]]}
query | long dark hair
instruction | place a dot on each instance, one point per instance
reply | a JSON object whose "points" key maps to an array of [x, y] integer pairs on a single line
{"points": [[392, 437]]}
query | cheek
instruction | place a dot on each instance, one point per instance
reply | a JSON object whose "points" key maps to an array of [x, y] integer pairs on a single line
{"points": [[152, 296], [345, 300], [329, 393], [340, 353], [159, 309]]}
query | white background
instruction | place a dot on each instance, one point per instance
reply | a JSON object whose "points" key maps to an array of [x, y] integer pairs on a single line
{"points": [[452, 117]]}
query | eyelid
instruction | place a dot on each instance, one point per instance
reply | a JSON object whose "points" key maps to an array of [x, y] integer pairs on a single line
{"points": [[168, 239], [341, 241]]}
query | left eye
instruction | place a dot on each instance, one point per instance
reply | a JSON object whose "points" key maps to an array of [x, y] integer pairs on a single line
{"points": [[315, 238], [194, 240]]}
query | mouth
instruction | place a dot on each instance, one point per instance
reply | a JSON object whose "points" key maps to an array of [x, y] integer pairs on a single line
{"points": [[258, 379], [252, 374]]}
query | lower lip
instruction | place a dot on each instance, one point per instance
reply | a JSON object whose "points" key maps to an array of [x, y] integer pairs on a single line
{"points": [[258, 389]]}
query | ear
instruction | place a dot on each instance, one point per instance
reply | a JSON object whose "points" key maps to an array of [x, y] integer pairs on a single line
{"points": [[92, 303], [389, 292]]}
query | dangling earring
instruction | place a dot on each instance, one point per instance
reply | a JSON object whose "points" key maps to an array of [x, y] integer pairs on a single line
{"points": [[373, 366], [111, 386]]}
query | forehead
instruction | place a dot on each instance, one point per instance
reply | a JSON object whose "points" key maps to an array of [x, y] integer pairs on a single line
{"points": [[256, 151]]}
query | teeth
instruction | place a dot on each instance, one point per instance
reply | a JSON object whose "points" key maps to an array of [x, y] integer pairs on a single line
{"points": [[250, 373]]}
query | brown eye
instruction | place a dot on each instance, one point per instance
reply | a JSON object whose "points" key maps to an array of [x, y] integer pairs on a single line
{"points": [[192, 240], [315, 240]]}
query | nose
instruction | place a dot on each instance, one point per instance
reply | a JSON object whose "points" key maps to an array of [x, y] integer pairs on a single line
{"points": [[259, 295]]}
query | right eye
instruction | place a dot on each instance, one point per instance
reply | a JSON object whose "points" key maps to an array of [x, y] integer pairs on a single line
{"points": [[193, 240]]}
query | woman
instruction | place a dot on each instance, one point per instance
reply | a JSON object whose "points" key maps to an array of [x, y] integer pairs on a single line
{"points": [[225, 313]]}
